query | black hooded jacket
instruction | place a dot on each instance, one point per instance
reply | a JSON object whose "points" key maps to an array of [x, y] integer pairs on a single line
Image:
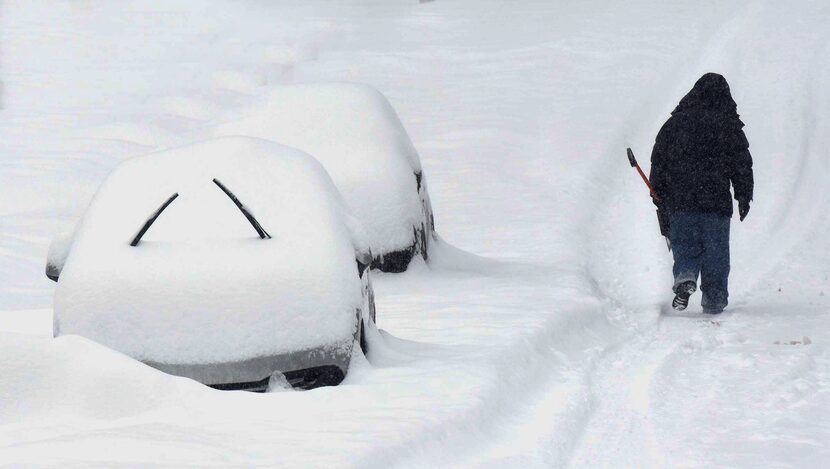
{"points": [[700, 150]]}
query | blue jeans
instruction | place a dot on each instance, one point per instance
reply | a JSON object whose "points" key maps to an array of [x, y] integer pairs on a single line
{"points": [[700, 243]]}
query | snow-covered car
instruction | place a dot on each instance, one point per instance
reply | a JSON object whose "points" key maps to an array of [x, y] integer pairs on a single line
{"points": [[355, 133], [223, 261]]}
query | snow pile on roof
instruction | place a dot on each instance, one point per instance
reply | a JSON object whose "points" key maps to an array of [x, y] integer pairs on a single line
{"points": [[201, 286], [356, 134]]}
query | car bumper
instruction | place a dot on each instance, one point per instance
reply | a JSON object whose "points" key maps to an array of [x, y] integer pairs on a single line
{"points": [[251, 373]]}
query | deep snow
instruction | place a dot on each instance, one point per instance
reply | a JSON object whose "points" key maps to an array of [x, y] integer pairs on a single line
{"points": [[536, 342]]}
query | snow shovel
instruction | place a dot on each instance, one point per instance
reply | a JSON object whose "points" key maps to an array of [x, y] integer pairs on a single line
{"points": [[662, 214]]}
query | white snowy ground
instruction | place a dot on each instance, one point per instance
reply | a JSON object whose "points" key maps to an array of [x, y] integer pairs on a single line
{"points": [[537, 340]]}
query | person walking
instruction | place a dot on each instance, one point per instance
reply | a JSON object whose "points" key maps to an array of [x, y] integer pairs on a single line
{"points": [[698, 152]]}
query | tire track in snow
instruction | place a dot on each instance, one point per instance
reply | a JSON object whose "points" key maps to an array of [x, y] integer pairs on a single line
{"points": [[623, 431], [532, 376]]}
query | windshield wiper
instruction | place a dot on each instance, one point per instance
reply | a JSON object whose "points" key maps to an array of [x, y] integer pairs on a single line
{"points": [[242, 208], [152, 219]]}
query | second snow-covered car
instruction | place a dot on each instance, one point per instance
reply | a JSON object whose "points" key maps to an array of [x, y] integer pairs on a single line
{"points": [[223, 261], [357, 136]]}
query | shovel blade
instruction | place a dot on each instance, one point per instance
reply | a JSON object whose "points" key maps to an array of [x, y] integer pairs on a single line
{"points": [[631, 158]]}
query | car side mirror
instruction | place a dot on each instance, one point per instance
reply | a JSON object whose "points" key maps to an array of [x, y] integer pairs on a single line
{"points": [[364, 261], [53, 272], [58, 252]]}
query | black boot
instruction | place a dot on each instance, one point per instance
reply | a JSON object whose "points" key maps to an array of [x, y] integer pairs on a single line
{"points": [[682, 292]]}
